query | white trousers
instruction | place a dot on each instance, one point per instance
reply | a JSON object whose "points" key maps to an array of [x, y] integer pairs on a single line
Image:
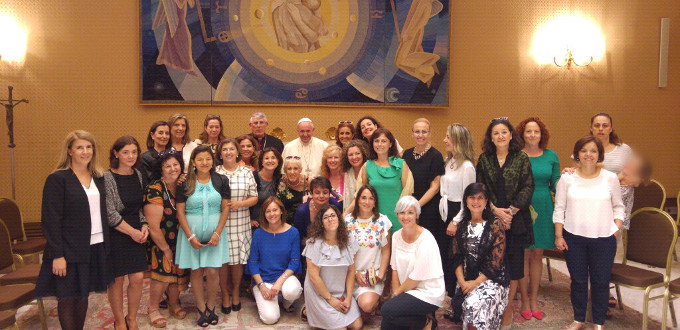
{"points": [[269, 309]]}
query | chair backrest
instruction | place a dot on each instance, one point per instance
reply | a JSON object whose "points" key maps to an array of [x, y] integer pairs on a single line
{"points": [[10, 213], [6, 257], [651, 195], [677, 209], [651, 238]]}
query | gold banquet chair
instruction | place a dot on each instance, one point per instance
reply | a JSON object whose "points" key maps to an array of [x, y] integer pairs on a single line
{"points": [[651, 195], [11, 214], [650, 241]]}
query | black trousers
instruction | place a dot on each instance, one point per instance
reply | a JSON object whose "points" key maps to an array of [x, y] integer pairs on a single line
{"points": [[590, 257], [405, 312]]}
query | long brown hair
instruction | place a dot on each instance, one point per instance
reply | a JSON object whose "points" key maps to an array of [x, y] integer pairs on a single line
{"points": [[171, 122], [65, 159], [376, 210], [255, 158], [269, 201], [190, 184], [204, 135], [317, 231]]}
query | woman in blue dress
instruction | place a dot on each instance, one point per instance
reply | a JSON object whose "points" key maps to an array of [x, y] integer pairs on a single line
{"points": [[202, 211]]}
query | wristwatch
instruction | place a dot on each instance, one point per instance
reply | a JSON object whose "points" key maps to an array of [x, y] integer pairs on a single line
{"points": [[259, 284]]}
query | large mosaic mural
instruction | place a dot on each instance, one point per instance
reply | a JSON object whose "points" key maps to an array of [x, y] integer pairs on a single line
{"points": [[317, 52]]}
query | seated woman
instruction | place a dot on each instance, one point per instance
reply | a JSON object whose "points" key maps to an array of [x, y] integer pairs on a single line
{"points": [[417, 276], [371, 230], [330, 273], [274, 258], [478, 258], [306, 213]]}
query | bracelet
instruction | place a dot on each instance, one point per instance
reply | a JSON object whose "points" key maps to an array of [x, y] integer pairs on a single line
{"points": [[191, 237], [215, 233], [556, 237], [259, 284]]}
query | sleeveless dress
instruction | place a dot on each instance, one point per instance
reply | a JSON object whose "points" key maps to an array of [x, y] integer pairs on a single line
{"points": [[203, 209], [546, 171], [387, 183]]}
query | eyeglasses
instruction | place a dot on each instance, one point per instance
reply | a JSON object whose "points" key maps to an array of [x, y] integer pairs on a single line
{"points": [[499, 118], [167, 152], [330, 216], [420, 132], [292, 157], [345, 122]]}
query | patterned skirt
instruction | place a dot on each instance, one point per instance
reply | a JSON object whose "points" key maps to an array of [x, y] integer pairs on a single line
{"points": [[484, 306]]}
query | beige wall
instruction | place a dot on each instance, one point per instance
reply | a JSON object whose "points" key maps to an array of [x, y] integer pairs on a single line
{"points": [[82, 72]]}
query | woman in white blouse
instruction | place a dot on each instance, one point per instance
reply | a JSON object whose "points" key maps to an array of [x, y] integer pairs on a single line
{"points": [[417, 277], [588, 215]]}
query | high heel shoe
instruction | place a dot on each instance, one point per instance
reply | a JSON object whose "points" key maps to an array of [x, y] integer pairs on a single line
{"points": [[203, 319], [212, 316], [236, 307]]}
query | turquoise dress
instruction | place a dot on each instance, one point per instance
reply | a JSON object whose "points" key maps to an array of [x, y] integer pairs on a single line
{"points": [[203, 209], [546, 170], [387, 183]]}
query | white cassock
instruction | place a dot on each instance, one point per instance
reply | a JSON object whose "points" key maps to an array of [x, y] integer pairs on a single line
{"points": [[310, 155]]}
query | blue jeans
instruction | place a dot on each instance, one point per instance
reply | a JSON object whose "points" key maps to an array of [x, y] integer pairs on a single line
{"points": [[590, 257]]}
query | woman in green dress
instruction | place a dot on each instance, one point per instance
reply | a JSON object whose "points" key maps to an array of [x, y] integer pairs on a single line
{"points": [[545, 167], [387, 173]]}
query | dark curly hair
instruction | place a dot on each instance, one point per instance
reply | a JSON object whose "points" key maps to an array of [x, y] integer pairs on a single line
{"points": [[487, 144], [164, 156], [277, 154], [360, 135], [545, 133], [152, 130], [337, 132], [471, 190], [393, 152], [361, 144], [317, 231]]}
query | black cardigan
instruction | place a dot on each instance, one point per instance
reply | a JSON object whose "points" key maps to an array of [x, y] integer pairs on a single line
{"points": [[66, 220]]}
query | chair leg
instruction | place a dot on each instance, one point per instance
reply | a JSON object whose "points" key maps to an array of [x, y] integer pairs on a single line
{"points": [[41, 311], [645, 308], [618, 296], [670, 306], [663, 308], [675, 256], [547, 262]]}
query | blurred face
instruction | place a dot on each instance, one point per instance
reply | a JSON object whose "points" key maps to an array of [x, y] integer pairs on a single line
{"points": [[203, 162], [293, 170], [366, 201], [161, 136], [247, 149], [532, 134], [273, 214], [382, 145], [355, 157], [269, 161], [81, 152], [408, 218], [305, 131], [345, 135], [330, 220], [588, 154], [333, 161], [179, 128], [421, 133], [601, 128], [501, 136], [449, 144], [476, 203], [229, 153], [213, 129], [320, 196], [127, 156], [258, 126], [170, 170], [367, 128]]}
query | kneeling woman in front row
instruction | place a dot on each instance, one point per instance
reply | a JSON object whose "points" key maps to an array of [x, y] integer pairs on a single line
{"points": [[202, 211], [330, 273], [418, 288], [274, 258], [479, 261]]}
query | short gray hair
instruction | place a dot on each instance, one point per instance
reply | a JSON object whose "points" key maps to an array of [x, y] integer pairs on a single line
{"points": [[289, 160], [258, 115], [406, 203]]}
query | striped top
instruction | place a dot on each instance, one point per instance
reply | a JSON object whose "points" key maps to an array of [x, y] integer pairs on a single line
{"points": [[617, 158]]}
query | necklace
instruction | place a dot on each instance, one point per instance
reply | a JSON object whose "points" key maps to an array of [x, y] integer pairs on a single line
{"points": [[418, 155], [167, 191], [453, 163], [294, 185]]}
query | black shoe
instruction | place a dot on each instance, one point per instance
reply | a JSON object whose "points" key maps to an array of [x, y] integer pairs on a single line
{"points": [[225, 310], [236, 307], [163, 304], [203, 319], [212, 316]]}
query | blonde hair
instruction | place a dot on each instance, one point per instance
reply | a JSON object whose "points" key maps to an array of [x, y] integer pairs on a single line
{"points": [[325, 171], [176, 117], [421, 120], [65, 159], [461, 138]]}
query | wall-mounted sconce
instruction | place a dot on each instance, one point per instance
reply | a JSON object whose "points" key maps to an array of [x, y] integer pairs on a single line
{"points": [[566, 40], [13, 41]]}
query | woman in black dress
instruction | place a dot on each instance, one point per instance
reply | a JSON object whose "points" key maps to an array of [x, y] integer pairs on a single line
{"points": [[124, 201], [427, 166], [156, 141], [74, 224], [267, 179]]}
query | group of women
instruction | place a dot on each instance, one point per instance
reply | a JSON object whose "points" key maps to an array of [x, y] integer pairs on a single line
{"points": [[368, 227]]}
